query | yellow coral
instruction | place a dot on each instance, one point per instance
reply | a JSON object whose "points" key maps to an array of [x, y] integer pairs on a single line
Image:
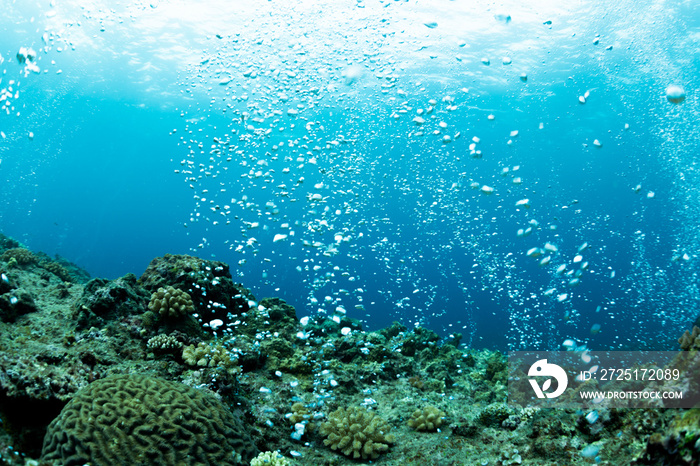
{"points": [[428, 419], [171, 302], [20, 255], [270, 458], [204, 355], [357, 432], [301, 414], [163, 342]]}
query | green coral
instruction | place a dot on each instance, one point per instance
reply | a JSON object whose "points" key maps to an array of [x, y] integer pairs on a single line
{"points": [[164, 343], [357, 433], [427, 419], [136, 419], [204, 355], [22, 256], [171, 303], [270, 458]]}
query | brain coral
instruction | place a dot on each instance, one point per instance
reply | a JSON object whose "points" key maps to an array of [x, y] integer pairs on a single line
{"points": [[142, 420], [357, 432], [171, 302]]}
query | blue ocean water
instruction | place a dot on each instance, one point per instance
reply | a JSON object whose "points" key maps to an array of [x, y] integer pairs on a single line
{"points": [[372, 158]]}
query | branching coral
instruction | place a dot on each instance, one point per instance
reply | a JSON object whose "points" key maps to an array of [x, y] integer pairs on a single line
{"points": [[171, 302], [357, 433], [164, 343], [204, 355], [428, 419]]}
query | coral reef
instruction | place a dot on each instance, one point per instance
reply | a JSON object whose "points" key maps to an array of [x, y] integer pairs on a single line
{"points": [[357, 433], [105, 300], [426, 419], [134, 419], [171, 303], [262, 360], [8, 243]]}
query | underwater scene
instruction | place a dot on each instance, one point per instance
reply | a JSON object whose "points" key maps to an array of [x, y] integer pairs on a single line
{"points": [[330, 232]]}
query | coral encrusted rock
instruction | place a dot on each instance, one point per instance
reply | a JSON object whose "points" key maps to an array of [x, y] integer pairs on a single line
{"points": [[57, 269], [357, 433], [209, 283], [142, 420], [105, 300], [171, 303], [20, 255]]}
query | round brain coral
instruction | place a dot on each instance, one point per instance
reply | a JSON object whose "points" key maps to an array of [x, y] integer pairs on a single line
{"points": [[357, 432], [171, 302], [142, 420]]}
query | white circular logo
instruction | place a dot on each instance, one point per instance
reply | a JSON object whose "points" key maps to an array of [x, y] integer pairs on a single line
{"points": [[542, 368]]}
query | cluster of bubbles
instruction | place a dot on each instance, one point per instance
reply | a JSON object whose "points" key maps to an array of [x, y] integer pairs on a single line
{"points": [[351, 178], [368, 188], [375, 165]]}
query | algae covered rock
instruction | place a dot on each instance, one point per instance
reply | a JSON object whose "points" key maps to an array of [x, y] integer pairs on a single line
{"points": [[142, 420], [57, 269], [419, 339], [108, 299], [357, 433], [494, 414], [209, 284], [14, 304]]}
